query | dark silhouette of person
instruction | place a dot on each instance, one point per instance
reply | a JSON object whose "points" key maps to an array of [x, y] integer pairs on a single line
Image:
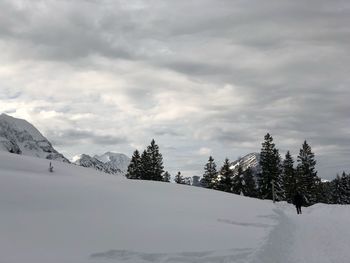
{"points": [[298, 202]]}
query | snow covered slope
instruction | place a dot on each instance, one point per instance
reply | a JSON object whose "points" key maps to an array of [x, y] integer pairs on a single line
{"points": [[76, 215], [20, 137]]}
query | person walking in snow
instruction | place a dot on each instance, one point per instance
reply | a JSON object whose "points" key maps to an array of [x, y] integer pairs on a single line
{"points": [[298, 202]]}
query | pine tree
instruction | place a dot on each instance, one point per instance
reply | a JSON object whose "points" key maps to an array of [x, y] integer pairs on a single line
{"points": [[340, 193], [336, 191], [166, 177], [308, 180], [249, 184], [179, 179], [270, 169], [237, 181], [146, 172], [225, 177], [134, 168], [325, 193], [289, 178], [155, 162], [210, 173], [346, 185]]}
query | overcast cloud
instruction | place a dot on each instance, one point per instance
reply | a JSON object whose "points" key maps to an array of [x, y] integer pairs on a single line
{"points": [[200, 76]]}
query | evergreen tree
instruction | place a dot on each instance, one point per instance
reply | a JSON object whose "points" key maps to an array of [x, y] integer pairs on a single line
{"points": [[134, 168], [270, 169], [289, 177], [155, 162], [346, 187], [336, 190], [249, 184], [210, 174], [224, 182], [340, 193], [146, 172], [237, 181], [325, 193], [308, 180], [179, 179], [166, 177]]}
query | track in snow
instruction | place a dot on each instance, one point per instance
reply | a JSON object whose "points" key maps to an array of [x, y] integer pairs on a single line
{"points": [[320, 235]]}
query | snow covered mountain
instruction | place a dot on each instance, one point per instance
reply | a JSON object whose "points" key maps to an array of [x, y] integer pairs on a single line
{"points": [[116, 160], [250, 160], [112, 163], [20, 137], [89, 162]]}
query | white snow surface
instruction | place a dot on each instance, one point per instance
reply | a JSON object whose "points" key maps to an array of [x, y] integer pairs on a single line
{"points": [[77, 215]]}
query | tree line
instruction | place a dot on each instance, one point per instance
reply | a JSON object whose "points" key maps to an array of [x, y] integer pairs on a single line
{"points": [[283, 175], [280, 174], [227, 180], [149, 166]]}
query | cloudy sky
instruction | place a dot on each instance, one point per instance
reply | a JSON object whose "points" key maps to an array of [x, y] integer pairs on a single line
{"points": [[201, 77]]}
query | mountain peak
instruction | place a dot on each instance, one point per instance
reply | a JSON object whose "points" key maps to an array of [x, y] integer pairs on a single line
{"points": [[114, 164], [20, 137], [251, 160], [119, 160]]}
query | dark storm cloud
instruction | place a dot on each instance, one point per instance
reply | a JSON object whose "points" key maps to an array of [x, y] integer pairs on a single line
{"points": [[233, 137], [67, 137], [218, 73], [63, 30], [66, 29], [197, 68]]}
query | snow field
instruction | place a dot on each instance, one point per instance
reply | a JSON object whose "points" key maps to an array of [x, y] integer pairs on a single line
{"points": [[77, 215]]}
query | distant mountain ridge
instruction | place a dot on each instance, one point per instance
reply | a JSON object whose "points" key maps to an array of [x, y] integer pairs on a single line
{"points": [[109, 162], [117, 160], [250, 160], [20, 137]]}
